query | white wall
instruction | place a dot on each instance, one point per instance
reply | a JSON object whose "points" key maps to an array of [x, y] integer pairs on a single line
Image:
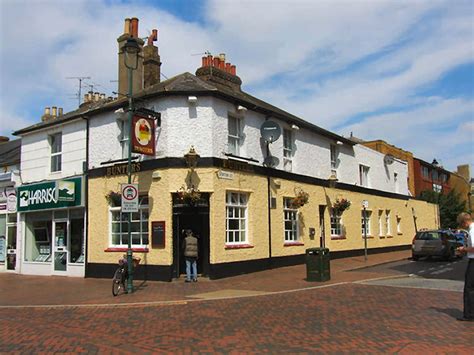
{"points": [[36, 150]]}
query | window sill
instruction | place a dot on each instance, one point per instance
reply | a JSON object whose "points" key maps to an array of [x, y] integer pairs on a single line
{"points": [[381, 236], [338, 237], [238, 246], [389, 236], [368, 237], [399, 233], [292, 244], [122, 249]]}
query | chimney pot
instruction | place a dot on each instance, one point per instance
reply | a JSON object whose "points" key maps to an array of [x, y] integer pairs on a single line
{"points": [[216, 62], [222, 57], [134, 27], [102, 96], [126, 27], [96, 96], [86, 98], [227, 67], [47, 111], [233, 71], [54, 110], [204, 61], [60, 111]]}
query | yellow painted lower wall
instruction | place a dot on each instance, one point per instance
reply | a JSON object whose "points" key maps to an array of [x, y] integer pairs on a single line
{"points": [[206, 179]]}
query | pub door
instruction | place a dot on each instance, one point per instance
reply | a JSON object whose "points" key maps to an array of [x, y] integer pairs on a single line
{"points": [[196, 218]]}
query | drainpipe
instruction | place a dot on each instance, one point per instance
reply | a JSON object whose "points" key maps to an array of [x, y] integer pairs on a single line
{"points": [[269, 213], [86, 199]]}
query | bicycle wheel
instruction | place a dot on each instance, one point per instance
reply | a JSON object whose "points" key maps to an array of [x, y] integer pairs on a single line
{"points": [[117, 282]]}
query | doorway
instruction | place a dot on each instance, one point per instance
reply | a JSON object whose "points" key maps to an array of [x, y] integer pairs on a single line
{"points": [[322, 227], [60, 233], [196, 218]]}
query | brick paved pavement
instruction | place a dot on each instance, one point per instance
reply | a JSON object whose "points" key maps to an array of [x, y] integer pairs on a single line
{"points": [[342, 318], [55, 290]]}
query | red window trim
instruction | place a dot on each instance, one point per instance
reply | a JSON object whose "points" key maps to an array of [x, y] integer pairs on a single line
{"points": [[121, 249], [238, 246]]}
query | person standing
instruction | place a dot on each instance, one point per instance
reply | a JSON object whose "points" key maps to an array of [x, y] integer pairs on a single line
{"points": [[465, 222], [191, 255]]}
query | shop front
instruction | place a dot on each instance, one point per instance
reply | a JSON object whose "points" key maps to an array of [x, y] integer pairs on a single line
{"points": [[52, 217]]}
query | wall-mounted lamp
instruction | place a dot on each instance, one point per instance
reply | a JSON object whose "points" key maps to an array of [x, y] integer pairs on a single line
{"points": [[339, 143], [332, 181], [295, 127], [192, 100], [241, 109], [191, 158]]}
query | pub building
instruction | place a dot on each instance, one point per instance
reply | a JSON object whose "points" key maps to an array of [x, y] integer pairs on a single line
{"points": [[256, 184]]}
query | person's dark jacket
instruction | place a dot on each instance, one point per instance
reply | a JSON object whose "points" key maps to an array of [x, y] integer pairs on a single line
{"points": [[190, 247]]}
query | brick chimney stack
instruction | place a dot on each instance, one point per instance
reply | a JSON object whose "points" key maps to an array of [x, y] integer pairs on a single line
{"points": [[130, 31], [217, 70], [151, 62]]}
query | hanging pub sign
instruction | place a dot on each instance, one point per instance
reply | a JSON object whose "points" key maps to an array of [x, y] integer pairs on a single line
{"points": [[143, 135]]}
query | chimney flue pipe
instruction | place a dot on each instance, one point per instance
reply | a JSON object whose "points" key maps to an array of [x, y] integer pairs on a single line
{"points": [[54, 110], [134, 27], [126, 27], [60, 111]]}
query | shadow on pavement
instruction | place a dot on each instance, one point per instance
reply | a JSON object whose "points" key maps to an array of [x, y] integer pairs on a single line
{"points": [[452, 312]]}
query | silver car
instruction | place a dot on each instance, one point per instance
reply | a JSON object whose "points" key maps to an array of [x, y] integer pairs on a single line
{"points": [[440, 243]]}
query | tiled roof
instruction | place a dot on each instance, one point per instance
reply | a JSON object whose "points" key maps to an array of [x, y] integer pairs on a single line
{"points": [[10, 152]]}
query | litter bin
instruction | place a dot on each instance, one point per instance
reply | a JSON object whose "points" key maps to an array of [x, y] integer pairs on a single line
{"points": [[317, 264]]}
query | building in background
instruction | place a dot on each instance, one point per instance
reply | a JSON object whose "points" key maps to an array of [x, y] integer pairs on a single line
{"points": [[460, 182], [9, 179], [430, 177], [253, 204]]}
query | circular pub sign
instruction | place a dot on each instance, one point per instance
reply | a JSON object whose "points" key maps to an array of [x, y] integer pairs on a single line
{"points": [[143, 137], [143, 131]]}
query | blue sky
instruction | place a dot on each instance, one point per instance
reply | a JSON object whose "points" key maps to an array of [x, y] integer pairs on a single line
{"points": [[402, 71]]}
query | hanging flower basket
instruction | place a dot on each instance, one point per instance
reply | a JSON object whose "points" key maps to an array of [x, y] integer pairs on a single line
{"points": [[190, 195], [300, 199], [113, 198], [341, 205]]}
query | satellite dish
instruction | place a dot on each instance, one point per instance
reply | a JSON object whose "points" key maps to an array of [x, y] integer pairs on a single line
{"points": [[270, 131], [271, 161], [388, 159]]}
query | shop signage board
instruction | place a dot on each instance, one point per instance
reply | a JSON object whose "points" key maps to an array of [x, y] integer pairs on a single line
{"points": [[143, 135], [129, 197], [65, 190], [43, 196]]}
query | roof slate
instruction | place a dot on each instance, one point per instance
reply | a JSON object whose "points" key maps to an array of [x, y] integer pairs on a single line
{"points": [[10, 152], [187, 83]]}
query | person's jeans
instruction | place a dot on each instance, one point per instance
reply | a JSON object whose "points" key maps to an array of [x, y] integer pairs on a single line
{"points": [[191, 269]]}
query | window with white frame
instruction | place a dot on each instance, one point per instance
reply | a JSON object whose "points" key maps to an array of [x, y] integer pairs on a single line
{"points": [[287, 150], [236, 221], [123, 137], [55, 142], [333, 159], [387, 222], [234, 135], [138, 226], [380, 223], [365, 222], [336, 224], [290, 217], [395, 181], [399, 225], [364, 175]]}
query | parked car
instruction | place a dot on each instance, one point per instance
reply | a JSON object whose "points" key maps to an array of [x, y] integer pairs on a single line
{"points": [[439, 243]]}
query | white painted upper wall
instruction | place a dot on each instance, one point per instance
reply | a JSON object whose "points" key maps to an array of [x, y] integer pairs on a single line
{"points": [[205, 126], [36, 152]]}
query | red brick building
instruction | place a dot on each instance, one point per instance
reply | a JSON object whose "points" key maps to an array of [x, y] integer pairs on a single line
{"points": [[430, 177]]}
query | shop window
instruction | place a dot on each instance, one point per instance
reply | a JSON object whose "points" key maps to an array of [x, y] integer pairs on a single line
{"points": [[366, 223], [236, 221], [287, 150], [38, 237], [334, 154], [234, 135], [364, 175], [387, 222], [336, 224], [290, 217], [55, 142], [139, 225]]}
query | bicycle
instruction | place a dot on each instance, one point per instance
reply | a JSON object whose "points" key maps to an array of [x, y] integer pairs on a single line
{"points": [[119, 282]]}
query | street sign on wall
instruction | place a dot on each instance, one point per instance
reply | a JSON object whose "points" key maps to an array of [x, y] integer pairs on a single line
{"points": [[129, 197]]}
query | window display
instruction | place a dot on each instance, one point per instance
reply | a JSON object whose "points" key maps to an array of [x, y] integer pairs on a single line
{"points": [[38, 231]]}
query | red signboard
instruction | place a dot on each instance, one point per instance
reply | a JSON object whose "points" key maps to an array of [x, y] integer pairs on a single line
{"points": [[143, 135]]}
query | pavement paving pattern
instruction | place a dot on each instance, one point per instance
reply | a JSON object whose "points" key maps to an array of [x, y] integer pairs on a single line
{"points": [[350, 317]]}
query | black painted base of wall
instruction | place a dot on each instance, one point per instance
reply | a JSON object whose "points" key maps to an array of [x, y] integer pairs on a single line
{"points": [[218, 271], [143, 272]]}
